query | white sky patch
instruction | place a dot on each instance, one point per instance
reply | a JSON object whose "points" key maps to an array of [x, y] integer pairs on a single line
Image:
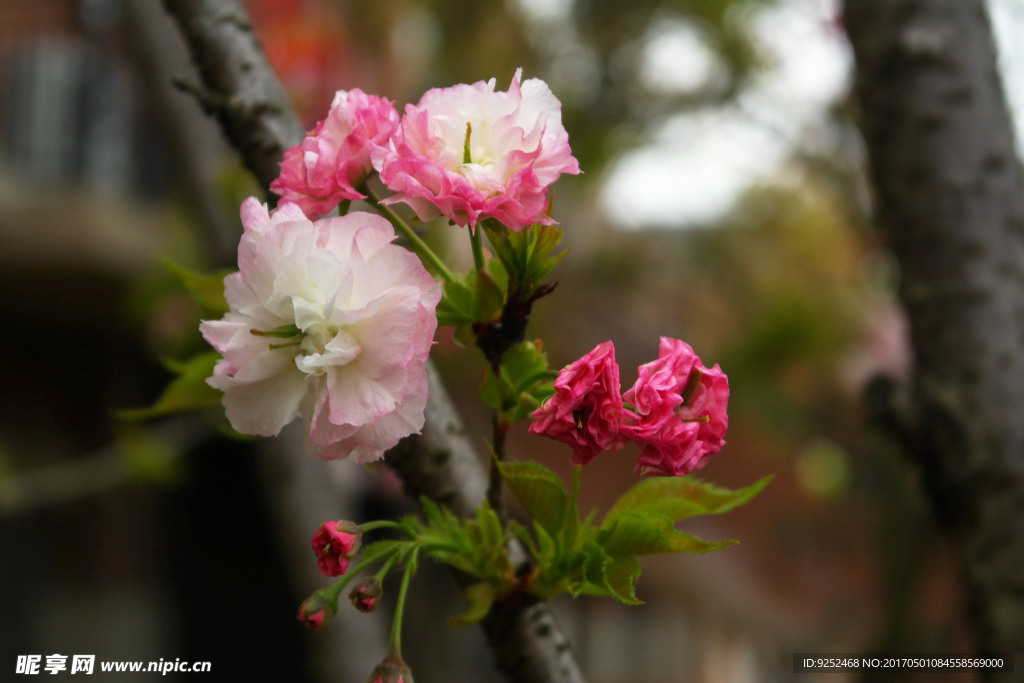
{"points": [[1008, 26], [698, 164], [547, 9], [693, 171], [677, 58]]}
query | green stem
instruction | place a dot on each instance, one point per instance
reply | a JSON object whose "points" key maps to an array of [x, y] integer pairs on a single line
{"points": [[395, 642], [381, 524], [495, 480], [476, 239], [417, 244], [335, 590], [383, 571]]}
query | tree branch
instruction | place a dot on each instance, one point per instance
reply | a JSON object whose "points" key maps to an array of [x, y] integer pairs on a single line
{"points": [[239, 88], [949, 196], [440, 463]]}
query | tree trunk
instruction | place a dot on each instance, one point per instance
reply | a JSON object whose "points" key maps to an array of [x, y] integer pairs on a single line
{"points": [[950, 198]]}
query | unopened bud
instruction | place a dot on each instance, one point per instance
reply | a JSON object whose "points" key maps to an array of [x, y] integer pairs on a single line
{"points": [[391, 670], [317, 610], [366, 594]]}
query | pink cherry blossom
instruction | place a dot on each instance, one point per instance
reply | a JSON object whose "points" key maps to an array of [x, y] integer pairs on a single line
{"points": [[334, 158], [334, 544], [329, 321], [470, 152], [680, 411], [586, 409]]}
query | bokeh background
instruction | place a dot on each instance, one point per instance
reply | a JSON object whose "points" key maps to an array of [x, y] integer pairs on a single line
{"points": [[723, 202]]}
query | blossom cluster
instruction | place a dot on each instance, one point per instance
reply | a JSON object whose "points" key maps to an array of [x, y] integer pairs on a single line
{"points": [[467, 152], [675, 411], [330, 321]]}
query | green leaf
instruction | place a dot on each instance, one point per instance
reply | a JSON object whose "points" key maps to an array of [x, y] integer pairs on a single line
{"points": [[206, 289], [621, 576], [500, 275], [525, 255], [491, 533], [644, 533], [457, 306], [480, 597], [475, 297], [681, 497], [524, 362], [187, 391], [522, 384], [601, 574], [539, 491]]}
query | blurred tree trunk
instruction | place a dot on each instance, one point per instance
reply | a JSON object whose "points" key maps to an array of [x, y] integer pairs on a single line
{"points": [[950, 198]]}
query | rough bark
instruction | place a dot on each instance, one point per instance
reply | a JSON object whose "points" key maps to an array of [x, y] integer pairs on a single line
{"points": [[240, 89], [950, 199]]}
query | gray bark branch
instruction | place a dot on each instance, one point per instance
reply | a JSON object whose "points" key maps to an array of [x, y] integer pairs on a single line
{"points": [[950, 198], [243, 93]]}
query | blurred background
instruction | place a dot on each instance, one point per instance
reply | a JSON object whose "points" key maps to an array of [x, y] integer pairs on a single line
{"points": [[723, 202]]}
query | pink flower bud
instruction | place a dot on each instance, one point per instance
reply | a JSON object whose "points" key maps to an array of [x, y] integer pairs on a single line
{"points": [[586, 410], [366, 594], [317, 611], [335, 543], [391, 670]]}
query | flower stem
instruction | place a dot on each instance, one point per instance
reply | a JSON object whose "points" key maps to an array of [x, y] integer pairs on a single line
{"points": [[380, 524], [417, 244], [495, 480], [335, 590], [385, 568], [476, 240], [395, 642]]}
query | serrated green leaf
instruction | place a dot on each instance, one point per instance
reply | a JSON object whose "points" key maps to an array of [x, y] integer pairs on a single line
{"points": [[480, 597], [187, 391], [681, 497], [547, 549], [522, 362], [206, 289], [491, 533], [457, 558], [523, 382], [526, 255], [601, 574], [539, 491], [621, 576], [595, 565], [643, 533]]}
